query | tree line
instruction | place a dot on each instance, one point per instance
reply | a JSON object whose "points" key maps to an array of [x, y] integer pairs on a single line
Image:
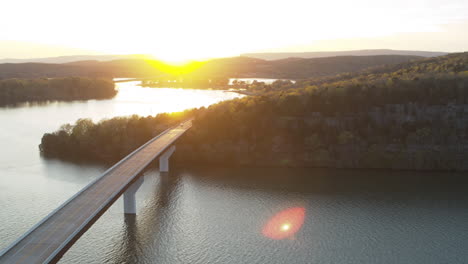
{"points": [[107, 140], [14, 91]]}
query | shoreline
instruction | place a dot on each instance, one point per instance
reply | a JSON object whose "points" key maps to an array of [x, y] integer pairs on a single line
{"points": [[226, 90], [179, 165]]}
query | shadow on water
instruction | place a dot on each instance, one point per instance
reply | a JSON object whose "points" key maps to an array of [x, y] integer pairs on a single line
{"points": [[142, 231], [379, 183], [71, 172]]}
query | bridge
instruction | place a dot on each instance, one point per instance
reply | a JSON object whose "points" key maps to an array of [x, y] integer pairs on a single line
{"points": [[49, 239]]}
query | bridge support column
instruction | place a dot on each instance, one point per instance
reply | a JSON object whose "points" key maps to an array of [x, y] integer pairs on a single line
{"points": [[129, 196], [164, 159]]}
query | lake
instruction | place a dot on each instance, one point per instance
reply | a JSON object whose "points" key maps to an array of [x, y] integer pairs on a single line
{"points": [[230, 215]]}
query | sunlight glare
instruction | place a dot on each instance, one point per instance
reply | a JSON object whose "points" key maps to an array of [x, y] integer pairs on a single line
{"points": [[284, 224], [151, 101], [175, 69]]}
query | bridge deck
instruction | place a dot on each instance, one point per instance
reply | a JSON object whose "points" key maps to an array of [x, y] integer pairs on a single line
{"points": [[52, 237]]}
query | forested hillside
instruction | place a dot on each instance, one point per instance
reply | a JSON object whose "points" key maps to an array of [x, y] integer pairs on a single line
{"points": [[452, 63], [415, 117], [295, 68], [449, 64]]}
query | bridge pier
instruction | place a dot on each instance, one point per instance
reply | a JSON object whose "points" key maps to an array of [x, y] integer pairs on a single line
{"points": [[164, 159], [129, 196]]}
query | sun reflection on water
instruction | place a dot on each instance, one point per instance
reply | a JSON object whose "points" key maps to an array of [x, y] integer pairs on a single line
{"points": [[133, 99]]}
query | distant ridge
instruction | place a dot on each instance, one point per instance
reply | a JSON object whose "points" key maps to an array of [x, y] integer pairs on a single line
{"points": [[75, 58], [240, 67], [323, 54]]}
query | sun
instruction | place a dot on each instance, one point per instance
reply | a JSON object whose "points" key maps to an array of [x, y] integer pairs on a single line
{"points": [[175, 59], [183, 56], [175, 69]]}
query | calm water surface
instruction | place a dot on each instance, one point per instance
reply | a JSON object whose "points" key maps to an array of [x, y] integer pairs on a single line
{"points": [[219, 215]]}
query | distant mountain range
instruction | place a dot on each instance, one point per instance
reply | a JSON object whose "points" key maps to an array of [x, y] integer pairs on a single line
{"points": [[323, 54], [264, 56], [296, 68], [68, 59], [242, 67]]}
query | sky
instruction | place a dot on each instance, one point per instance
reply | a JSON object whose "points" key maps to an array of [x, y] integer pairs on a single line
{"points": [[177, 30]]}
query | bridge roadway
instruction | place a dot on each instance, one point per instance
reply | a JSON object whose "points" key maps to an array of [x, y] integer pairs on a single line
{"points": [[55, 234]]}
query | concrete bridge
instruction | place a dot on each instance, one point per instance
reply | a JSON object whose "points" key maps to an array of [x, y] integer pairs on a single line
{"points": [[49, 239]]}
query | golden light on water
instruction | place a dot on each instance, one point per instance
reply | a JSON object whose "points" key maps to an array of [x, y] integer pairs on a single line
{"points": [[151, 101]]}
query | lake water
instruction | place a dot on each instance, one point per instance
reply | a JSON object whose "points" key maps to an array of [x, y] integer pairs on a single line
{"points": [[220, 215]]}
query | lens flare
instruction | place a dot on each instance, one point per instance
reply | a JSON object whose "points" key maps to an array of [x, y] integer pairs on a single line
{"points": [[284, 224]]}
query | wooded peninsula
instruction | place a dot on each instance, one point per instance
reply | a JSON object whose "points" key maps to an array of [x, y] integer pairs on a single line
{"points": [[15, 91]]}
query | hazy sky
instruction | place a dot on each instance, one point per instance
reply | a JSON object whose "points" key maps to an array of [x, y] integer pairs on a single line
{"points": [[188, 29]]}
